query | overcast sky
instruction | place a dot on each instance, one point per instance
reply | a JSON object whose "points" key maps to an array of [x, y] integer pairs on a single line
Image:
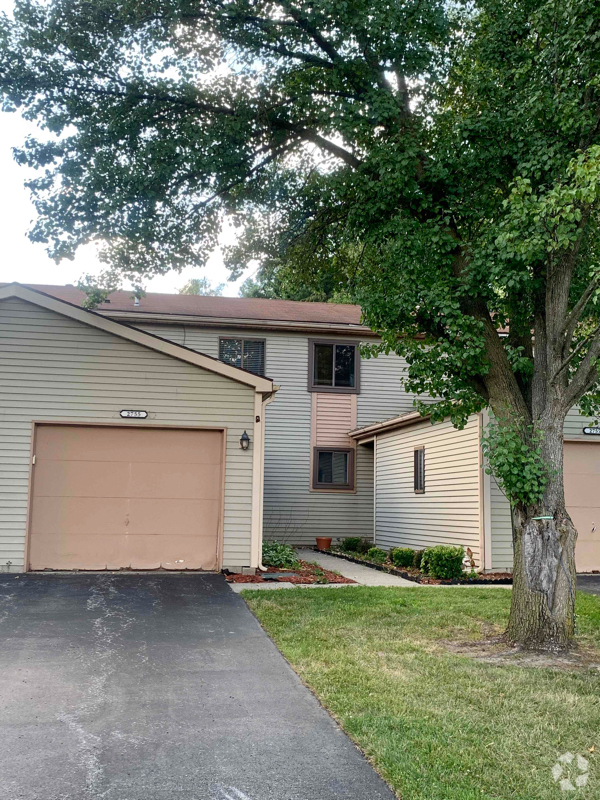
{"points": [[26, 262]]}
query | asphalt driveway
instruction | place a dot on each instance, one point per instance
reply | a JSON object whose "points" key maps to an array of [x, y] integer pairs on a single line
{"points": [[155, 687], [589, 583]]}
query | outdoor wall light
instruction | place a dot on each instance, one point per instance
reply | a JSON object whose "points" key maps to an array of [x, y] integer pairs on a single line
{"points": [[244, 441]]}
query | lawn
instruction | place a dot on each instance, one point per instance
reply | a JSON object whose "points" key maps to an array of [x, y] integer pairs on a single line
{"points": [[436, 724]]}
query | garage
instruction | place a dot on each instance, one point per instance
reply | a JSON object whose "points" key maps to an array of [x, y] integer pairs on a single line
{"points": [[125, 498], [120, 449], [582, 496]]}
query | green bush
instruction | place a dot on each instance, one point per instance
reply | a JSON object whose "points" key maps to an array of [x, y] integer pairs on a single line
{"points": [[402, 556], [417, 558], [443, 562], [277, 554], [353, 544], [376, 555]]}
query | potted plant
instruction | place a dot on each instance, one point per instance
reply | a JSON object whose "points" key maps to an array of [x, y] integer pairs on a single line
{"points": [[323, 542]]}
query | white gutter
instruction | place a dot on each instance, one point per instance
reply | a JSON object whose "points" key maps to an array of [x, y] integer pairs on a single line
{"points": [[370, 431], [261, 401]]}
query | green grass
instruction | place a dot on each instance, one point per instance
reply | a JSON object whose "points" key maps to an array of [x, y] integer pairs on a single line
{"points": [[436, 724]]}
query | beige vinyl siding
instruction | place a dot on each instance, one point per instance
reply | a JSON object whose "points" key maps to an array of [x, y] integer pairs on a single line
{"points": [[291, 510], [55, 368], [333, 416], [449, 510]]}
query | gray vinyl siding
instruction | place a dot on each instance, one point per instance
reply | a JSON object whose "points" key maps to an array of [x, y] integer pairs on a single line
{"points": [[449, 511], [292, 512], [502, 546], [576, 422], [55, 368], [382, 395]]}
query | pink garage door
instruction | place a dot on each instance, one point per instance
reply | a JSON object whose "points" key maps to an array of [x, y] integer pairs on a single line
{"points": [[120, 498], [582, 495]]}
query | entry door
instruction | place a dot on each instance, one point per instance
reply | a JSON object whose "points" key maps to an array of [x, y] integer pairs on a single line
{"points": [[125, 498], [582, 495]]}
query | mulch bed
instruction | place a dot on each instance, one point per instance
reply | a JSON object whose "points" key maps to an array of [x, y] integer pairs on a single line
{"points": [[414, 575], [306, 573]]}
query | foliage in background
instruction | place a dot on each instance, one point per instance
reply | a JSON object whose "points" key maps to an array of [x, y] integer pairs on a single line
{"points": [[443, 562], [202, 286], [277, 554]]}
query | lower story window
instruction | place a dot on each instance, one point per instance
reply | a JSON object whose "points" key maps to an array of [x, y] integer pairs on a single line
{"points": [[333, 468]]}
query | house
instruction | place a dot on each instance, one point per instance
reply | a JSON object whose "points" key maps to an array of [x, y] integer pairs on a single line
{"points": [[159, 379], [431, 487], [119, 448], [186, 362]]}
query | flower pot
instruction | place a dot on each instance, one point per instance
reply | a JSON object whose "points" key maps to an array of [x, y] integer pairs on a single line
{"points": [[323, 542]]}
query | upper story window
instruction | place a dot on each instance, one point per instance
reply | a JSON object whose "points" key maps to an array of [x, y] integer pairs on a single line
{"points": [[333, 367], [248, 354]]}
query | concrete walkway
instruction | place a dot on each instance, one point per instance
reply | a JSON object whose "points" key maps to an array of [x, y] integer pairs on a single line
{"points": [[364, 576], [158, 687]]}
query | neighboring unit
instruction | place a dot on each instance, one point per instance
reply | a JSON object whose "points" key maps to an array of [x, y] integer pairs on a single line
{"points": [[431, 487]]}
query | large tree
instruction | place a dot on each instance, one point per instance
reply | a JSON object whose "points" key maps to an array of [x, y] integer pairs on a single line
{"points": [[443, 158]]}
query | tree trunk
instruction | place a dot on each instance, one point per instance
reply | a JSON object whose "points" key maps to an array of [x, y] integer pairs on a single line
{"points": [[542, 614]]}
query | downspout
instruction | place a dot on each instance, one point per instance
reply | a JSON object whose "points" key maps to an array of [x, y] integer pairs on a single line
{"points": [[259, 464]]}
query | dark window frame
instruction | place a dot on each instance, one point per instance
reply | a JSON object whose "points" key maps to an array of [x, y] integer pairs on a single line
{"points": [[333, 487], [313, 387], [419, 470], [243, 339]]}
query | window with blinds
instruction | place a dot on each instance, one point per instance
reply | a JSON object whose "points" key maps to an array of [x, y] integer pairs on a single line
{"points": [[249, 354], [333, 469], [419, 470]]}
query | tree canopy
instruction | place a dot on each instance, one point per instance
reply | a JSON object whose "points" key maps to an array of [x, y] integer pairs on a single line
{"points": [[433, 159]]}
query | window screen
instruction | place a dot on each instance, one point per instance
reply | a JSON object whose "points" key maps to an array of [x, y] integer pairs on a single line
{"points": [[419, 470], [245, 353]]}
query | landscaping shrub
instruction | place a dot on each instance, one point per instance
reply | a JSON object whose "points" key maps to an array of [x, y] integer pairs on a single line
{"points": [[402, 556], [376, 555], [277, 554], [417, 558], [443, 562], [351, 544]]}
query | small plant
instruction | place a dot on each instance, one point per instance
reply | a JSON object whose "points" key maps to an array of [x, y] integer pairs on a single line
{"points": [[443, 562], [376, 555], [417, 558], [402, 556], [277, 554]]}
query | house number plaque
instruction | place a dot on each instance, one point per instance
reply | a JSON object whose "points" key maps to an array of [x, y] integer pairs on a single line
{"points": [[130, 414], [592, 431]]}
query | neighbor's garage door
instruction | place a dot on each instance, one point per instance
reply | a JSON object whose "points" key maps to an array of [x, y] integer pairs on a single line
{"points": [[582, 495], [113, 498]]}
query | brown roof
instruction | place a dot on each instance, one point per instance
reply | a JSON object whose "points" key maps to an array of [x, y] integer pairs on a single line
{"points": [[223, 308]]}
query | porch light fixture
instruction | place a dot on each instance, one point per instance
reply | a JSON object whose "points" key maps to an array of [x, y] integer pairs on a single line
{"points": [[244, 441]]}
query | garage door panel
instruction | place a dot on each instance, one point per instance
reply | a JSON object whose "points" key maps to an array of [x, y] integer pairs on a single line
{"points": [[148, 498], [76, 516], [582, 490], [100, 551], [119, 479], [105, 443], [582, 496]]}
